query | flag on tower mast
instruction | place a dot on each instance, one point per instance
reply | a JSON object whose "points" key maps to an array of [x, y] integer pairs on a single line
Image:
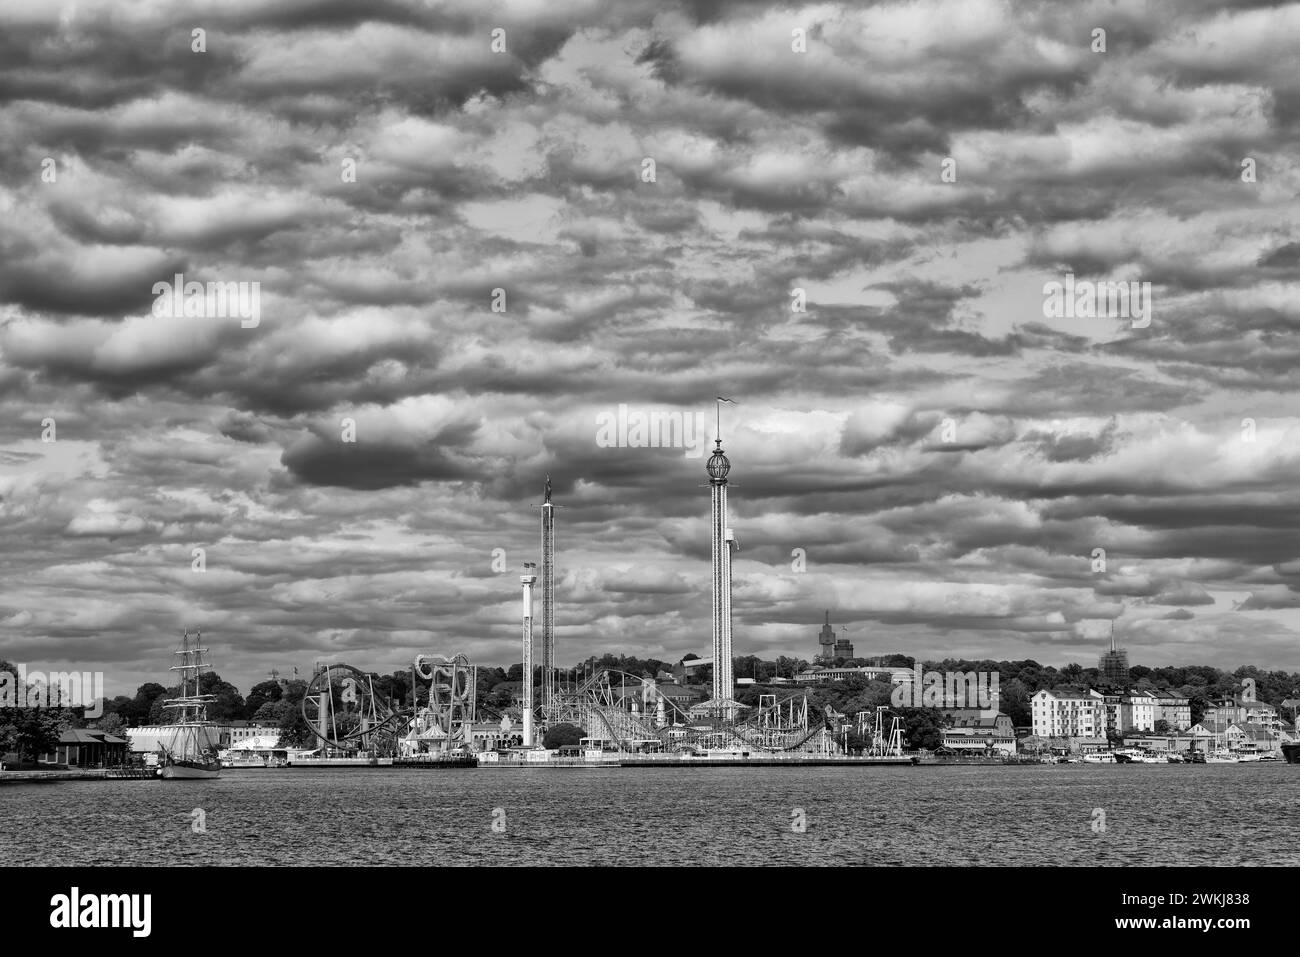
{"points": [[718, 409]]}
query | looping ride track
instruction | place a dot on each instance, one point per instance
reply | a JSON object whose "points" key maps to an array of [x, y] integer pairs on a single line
{"points": [[345, 714]]}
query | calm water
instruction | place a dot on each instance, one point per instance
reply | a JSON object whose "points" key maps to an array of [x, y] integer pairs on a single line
{"points": [[1205, 815]]}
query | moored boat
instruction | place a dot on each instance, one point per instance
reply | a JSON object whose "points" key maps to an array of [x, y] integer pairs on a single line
{"points": [[181, 769], [245, 760], [192, 754]]}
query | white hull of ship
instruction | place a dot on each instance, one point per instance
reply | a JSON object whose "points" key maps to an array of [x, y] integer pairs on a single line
{"points": [[182, 772]]}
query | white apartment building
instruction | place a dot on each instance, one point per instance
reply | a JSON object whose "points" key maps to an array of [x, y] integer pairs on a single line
{"points": [[1057, 714], [1137, 711]]}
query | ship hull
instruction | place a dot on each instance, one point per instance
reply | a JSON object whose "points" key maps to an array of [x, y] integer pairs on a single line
{"points": [[1291, 752], [188, 771]]}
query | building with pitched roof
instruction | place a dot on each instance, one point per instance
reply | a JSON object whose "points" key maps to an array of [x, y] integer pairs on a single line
{"points": [[1174, 709], [1060, 714], [87, 748], [973, 729]]}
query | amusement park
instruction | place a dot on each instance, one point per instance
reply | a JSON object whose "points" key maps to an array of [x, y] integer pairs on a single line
{"points": [[624, 719]]}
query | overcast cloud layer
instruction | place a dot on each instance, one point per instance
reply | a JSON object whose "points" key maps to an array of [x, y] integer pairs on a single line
{"points": [[522, 170]]}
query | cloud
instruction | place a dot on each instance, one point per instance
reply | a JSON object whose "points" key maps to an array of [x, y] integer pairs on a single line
{"points": [[499, 271]]}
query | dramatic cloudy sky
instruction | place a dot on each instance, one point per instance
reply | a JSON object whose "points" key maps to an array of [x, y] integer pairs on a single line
{"points": [[522, 170]]}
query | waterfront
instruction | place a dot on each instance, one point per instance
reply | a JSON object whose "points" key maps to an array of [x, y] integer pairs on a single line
{"points": [[1033, 815]]}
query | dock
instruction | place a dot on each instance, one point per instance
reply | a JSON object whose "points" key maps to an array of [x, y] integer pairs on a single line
{"points": [[77, 774], [434, 761], [765, 760], [427, 761]]}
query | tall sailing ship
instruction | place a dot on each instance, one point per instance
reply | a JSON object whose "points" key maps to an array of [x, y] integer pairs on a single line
{"points": [[192, 753]]}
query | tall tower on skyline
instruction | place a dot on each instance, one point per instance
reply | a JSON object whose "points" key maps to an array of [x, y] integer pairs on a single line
{"points": [[548, 603], [1114, 663], [827, 639], [723, 541], [527, 580]]}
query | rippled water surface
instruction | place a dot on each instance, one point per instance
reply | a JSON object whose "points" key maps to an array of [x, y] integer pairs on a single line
{"points": [[1154, 815]]}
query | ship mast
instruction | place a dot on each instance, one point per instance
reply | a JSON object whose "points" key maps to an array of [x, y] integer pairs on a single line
{"points": [[192, 706]]}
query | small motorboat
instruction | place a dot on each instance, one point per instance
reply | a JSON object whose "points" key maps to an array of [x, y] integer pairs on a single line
{"points": [[1221, 757]]}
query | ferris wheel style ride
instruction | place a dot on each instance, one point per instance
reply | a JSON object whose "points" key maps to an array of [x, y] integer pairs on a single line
{"points": [[344, 712]]}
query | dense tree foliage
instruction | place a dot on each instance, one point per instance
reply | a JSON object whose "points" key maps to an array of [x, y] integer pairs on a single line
{"points": [[703, 675], [563, 734], [294, 731], [262, 693], [923, 727], [30, 732]]}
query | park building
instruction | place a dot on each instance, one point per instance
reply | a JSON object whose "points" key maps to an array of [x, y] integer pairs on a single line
{"points": [[235, 732], [688, 668], [816, 675], [975, 730], [88, 748]]}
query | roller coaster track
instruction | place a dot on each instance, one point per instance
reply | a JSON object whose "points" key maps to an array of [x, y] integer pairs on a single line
{"points": [[381, 721], [624, 728], [757, 732]]}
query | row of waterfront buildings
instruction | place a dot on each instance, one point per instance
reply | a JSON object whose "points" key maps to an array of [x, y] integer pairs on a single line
{"points": [[1094, 717]]}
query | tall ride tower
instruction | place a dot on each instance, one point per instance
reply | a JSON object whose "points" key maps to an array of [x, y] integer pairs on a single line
{"points": [[527, 579], [724, 540], [548, 603]]}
